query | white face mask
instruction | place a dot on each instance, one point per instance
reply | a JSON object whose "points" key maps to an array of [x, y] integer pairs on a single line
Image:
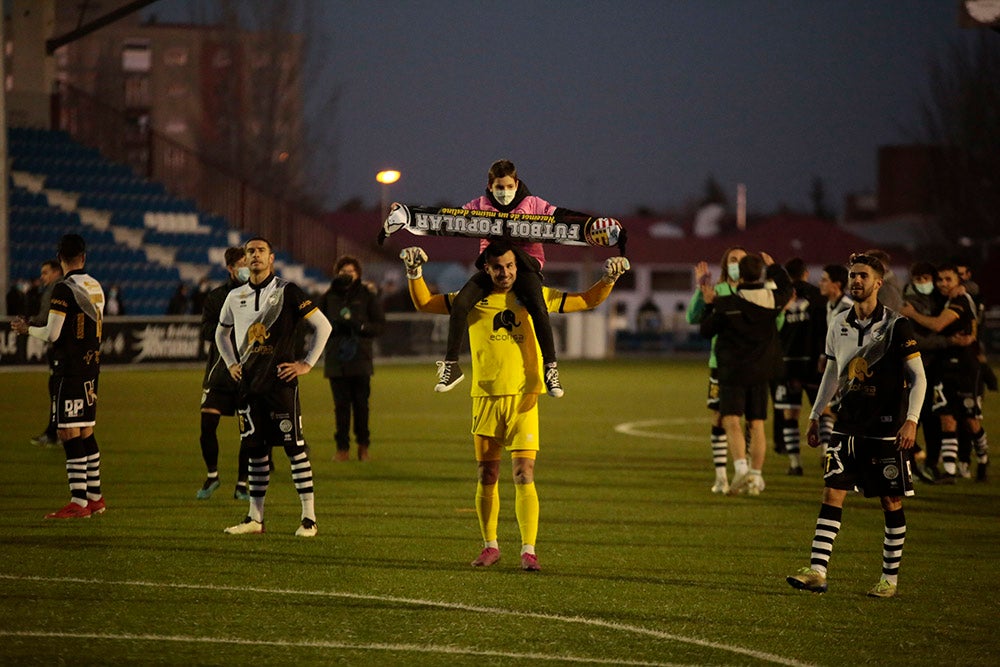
{"points": [[504, 196], [733, 270], [924, 288], [243, 274]]}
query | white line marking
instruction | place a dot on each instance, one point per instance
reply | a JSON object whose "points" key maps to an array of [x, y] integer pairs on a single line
{"points": [[580, 620], [397, 648], [639, 429]]}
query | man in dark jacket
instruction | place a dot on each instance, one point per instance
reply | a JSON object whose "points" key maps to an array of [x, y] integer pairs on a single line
{"points": [[356, 314], [749, 355], [219, 391]]}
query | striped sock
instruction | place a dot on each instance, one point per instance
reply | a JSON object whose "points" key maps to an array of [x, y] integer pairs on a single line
{"points": [[792, 437], [720, 447], [93, 467], [827, 527], [981, 446], [892, 544], [259, 478], [949, 451], [302, 476]]}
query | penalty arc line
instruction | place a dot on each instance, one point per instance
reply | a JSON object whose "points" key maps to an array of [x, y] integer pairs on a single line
{"points": [[639, 429], [579, 620]]}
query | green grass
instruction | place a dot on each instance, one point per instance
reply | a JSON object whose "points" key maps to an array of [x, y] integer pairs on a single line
{"points": [[640, 562]]}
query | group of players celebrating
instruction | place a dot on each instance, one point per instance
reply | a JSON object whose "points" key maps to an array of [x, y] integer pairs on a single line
{"points": [[875, 360]]}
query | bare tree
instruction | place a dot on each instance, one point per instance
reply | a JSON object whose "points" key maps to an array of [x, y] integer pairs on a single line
{"points": [[961, 117], [263, 133]]}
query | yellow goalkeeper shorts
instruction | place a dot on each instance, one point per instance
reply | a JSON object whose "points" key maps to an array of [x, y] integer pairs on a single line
{"points": [[511, 420]]}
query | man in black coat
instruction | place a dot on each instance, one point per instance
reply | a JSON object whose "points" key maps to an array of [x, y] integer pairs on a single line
{"points": [[749, 355], [356, 314]]}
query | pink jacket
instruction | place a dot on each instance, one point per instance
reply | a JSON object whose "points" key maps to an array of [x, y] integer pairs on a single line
{"points": [[530, 204]]}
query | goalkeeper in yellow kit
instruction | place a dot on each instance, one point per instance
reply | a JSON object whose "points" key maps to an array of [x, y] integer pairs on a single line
{"points": [[506, 373]]}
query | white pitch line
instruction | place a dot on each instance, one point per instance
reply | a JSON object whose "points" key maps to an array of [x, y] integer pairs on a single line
{"points": [[344, 646], [638, 429], [580, 620]]}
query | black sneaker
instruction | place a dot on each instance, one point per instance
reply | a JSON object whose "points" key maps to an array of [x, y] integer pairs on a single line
{"points": [[552, 386], [449, 374], [945, 478], [981, 475], [795, 471]]}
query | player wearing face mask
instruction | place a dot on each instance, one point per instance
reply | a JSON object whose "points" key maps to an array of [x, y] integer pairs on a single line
{"points": [[507, 194], [729, 269], [218, 389]]}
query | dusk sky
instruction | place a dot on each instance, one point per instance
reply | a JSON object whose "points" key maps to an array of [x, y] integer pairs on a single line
{"points": [[607, 106]]}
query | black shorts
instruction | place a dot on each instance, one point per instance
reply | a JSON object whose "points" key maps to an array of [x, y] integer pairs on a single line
{"points": [[958, 396], [272, 420], [712, 402], [744, 400], [225, 401], [75, 402], [875, 466]]}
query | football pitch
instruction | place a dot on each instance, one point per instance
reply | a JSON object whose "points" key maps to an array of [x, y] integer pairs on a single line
{"points": [[641, 564]]}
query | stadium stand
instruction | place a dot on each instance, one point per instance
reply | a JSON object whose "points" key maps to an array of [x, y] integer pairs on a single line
{"points": [[139, 237]]}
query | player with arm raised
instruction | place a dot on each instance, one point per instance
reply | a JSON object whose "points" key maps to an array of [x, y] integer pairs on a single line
{"points": [[507, 370]]}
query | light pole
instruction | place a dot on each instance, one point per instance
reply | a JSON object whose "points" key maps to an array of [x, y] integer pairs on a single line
{"points": [[386, 178]]}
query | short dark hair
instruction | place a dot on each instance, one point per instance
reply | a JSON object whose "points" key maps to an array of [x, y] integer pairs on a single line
{"points": [[751, 266], [270, 247], [53, 264], [837, 274], [71, 246], [949, 266], [234, 254], [869, 260], [796, 268], [499, 169], [344, 261], [497, 247], [922, 269]]}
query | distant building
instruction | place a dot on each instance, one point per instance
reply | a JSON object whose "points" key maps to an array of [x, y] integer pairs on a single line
{"points": [[234, 97]]}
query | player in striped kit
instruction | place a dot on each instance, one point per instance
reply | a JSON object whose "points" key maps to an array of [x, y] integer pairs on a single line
{"points": [[73, 327], [264, 314], [873, 359]]}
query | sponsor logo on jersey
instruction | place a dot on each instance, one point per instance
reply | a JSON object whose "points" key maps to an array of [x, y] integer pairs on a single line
{"points": [[257, 334], [857, 372], [506, 320]]}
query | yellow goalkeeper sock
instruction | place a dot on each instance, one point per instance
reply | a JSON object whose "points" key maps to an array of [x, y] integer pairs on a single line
{"points": [[488, 510], [526, 508]]}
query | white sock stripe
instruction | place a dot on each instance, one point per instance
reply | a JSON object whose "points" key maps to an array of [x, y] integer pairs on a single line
{"points": [[830, 523]]}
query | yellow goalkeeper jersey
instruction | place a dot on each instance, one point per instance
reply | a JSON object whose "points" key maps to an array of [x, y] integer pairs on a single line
{"points": [[506, 359]]}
